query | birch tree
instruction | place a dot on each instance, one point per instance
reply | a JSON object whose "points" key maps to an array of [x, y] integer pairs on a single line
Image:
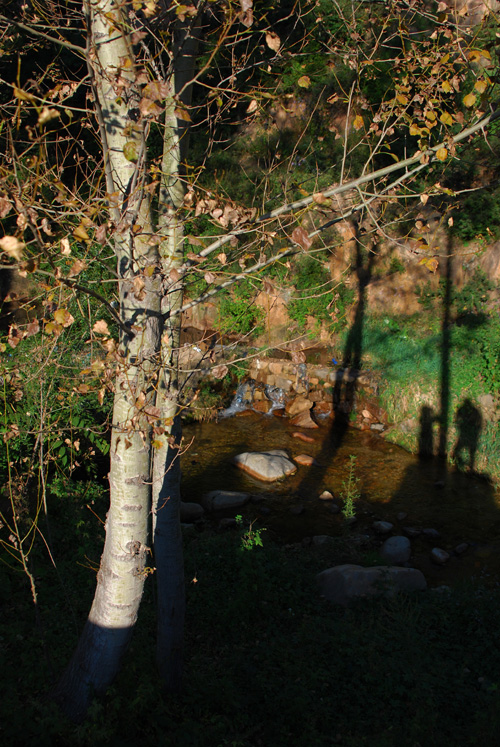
{"points": [[140, 61]]}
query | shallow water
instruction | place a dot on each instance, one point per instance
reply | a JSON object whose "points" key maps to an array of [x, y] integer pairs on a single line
{"points": [[462, 508]]}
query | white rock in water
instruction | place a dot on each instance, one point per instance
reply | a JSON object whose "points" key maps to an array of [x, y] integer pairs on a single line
{"points": [[345, 583], [396, 549], [266, 465]]}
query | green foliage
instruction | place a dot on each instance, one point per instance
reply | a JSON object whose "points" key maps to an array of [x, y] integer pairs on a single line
{"points": [[238, 313], [350, 492], [315, 296], [249, 622], [250, 538]]}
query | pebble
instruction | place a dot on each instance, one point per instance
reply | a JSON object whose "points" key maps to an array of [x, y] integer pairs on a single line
{"points": [[401, 516], [303, 437], [305, 460], [297, 510], [326, 496], [439, 556], [412, 531], [431, 533], [460, 549]]}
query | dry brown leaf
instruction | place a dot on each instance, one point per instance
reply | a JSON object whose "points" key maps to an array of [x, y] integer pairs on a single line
{"points": [[218, 372], [273, 41], [101, 327], [5, 206], [246, 15], [76, 268], [300, 237]]}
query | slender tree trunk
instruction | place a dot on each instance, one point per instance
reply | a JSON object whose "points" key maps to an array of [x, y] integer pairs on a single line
{"points": [[167, 538], [120, 580], [146, 388]]}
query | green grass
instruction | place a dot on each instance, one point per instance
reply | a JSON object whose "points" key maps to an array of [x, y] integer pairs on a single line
{"points": [[409, 356], [268, 662]]}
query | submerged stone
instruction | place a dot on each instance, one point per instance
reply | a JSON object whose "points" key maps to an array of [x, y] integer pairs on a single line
{"points": [[266, 465]]}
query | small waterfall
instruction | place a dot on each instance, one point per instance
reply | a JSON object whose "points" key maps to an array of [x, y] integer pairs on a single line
{"points": [[243, 399], [277, 397]]}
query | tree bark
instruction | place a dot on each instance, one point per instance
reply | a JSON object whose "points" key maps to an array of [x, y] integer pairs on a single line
{"points": [[120, 580]]}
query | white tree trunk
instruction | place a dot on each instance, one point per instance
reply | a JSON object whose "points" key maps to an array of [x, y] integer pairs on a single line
{"points": [[120, 580]]}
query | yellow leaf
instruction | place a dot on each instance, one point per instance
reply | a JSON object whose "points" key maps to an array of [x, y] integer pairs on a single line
{"points": [[62, 316], [446, 118], [475, 55], [446, 86], [442, 154], [401, 99], [414, 129], [182, 114], [130, 151], [469, 100], [358, 123], [81, 234], [304, 81], [481, 86], [430, 262]]}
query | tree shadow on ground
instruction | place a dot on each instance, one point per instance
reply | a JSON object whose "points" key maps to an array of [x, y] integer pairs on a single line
{"points": [[346, 383]]}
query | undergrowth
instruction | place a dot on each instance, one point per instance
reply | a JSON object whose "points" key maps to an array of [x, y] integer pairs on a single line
{"points": [[268, 662]]}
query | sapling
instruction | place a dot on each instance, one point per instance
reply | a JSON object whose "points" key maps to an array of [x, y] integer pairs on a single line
{"points": [[350, 490]]}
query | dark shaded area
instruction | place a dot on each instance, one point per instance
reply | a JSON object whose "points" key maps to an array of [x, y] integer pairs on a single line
{"points": [[469, 422], [344, 390]]}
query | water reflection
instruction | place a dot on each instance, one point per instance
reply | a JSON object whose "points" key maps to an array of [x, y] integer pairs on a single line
{"points": [[463, 508]]}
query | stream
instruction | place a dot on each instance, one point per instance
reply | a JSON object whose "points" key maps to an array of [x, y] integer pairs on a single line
{"points": [[462, 508]]}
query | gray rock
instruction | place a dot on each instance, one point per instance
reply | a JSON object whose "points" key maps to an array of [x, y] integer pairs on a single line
{"points": [[297, 510], [439, 556], [345, 583], [461, 548], [266, 465], [396, 549], [335, 508], [216, 500], [382, 527], [412, 532], [401, 516], [377, 427], [431, 533], [191, 512]]}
